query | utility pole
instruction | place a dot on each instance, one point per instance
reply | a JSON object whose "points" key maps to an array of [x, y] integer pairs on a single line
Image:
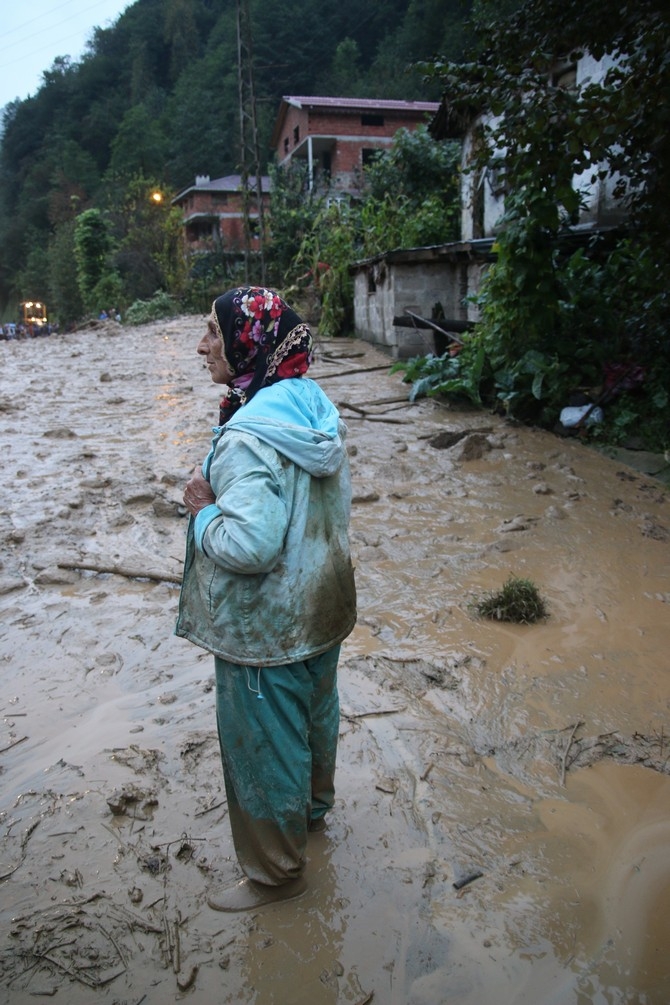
{"points": [[250, 162]]}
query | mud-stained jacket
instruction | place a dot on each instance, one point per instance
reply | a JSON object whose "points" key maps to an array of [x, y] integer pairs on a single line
{"points": [[268, 577]]}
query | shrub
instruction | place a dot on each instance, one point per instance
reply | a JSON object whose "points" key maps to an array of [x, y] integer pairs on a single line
{"points": [[161, 305], [518, 601]]}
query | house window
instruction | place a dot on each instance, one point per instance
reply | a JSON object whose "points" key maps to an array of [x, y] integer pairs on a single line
{"points": [[494, 174], [296, 135], [219, 199], [286, 144], [369, 155], [372, 119], [326, 161]]}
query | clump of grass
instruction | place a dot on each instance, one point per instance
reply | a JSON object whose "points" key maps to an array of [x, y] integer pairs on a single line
{"points": [[519, 601]]}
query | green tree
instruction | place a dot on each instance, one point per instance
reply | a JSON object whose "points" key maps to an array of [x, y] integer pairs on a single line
{"points": [[149, 250], [92, 248], [545, 133], [201, 117], [139, 144], [157, 92], [345, 77], [411, 194], [540, 136], [325, 253], [64, 301], [293, 211], [32, 280]]}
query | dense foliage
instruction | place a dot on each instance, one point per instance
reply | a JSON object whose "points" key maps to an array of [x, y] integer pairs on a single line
{"points": [[556, 324], [156, 97]]}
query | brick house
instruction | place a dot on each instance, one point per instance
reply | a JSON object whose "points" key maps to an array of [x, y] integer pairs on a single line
{"points": [[335, 137], [214, 215]]}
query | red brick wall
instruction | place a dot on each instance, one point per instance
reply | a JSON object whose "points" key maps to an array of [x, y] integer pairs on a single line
{"points": [[231, 221], [350, 136], [294, 117], [326, 123]]}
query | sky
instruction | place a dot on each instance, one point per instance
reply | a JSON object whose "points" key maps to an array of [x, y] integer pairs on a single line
{"points": [[34, 33]]}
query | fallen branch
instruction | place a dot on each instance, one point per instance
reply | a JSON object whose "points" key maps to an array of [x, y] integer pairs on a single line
{"points": [[24, 845], [564, 759], [366, 715], [329, 357], [353, 408], [208, 809], [428, 770], [441, 328], [14, 744], [362, 409], [77, 974], [119, 570], [460, 884], [349, 373], [377, 418], [190, 980], [404, 399], [176, 960], [169, 949]]}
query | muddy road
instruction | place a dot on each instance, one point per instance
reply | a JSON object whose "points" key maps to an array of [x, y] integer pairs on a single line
{"points": [[502, 822]]}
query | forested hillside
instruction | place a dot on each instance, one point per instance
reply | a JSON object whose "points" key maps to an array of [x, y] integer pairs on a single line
{"points": [[156, 98]]}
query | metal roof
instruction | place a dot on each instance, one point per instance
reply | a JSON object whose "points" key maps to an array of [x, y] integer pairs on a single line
{"points": [[229, 183], [377, 104]]}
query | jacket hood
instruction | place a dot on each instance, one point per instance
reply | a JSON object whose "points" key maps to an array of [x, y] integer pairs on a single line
{"points": [[298, 420]]}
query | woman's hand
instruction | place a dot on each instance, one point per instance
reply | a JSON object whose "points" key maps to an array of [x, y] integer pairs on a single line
{"points": [[198, 493]]}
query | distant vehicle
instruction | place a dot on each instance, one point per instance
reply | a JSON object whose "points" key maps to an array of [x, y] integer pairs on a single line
{"points": [[32, 314]]}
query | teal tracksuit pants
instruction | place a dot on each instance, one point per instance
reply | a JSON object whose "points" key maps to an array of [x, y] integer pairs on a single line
{"points": [[278, 728]]}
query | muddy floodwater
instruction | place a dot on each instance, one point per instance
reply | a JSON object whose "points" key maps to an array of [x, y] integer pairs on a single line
{"points": [[501, 831]]}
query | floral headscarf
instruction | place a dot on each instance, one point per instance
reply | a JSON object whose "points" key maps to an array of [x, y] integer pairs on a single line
{"points": [[264, 341]]}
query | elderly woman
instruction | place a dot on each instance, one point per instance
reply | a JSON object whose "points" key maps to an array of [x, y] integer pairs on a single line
{"points": [[268, 586]]}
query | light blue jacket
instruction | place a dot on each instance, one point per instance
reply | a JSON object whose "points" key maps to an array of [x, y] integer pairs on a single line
{"points": [[268, 576]]}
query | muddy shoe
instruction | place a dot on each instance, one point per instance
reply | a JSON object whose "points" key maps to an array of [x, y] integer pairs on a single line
{"points": [[247, 895]]}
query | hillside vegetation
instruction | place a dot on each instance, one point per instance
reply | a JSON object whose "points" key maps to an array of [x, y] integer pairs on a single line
{"points": [[155, 101]]}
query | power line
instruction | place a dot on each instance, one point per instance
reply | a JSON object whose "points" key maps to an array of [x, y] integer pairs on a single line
{"points": [[40, 17], [249, 151], [45, 48], [42, 31]]}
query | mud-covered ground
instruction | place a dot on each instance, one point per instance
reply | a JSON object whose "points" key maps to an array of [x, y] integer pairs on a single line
{"points": [[531, 761]]}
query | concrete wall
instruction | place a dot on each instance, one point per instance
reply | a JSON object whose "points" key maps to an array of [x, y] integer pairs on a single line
{"points": [[482, 201], [602, 207], [386, 287]]}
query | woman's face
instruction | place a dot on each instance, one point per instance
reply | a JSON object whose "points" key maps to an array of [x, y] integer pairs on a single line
{"points": [[211, 347]]}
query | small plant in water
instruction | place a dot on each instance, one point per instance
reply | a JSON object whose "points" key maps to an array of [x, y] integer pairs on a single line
{"points": [[519, 600]]}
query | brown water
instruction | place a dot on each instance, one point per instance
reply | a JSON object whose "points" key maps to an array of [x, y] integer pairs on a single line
{"points": [[534, 755]]}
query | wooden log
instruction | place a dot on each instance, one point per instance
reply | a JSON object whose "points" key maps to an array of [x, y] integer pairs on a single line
{"points": [[119, 570]]}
